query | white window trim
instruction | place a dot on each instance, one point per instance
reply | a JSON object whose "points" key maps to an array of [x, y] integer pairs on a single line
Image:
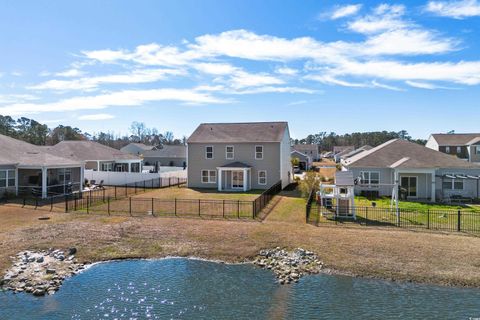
{"points": [[256, 152], [459, 150], [213, 153], [447, 149], [7, 178], [452, 183], [226, 153], [209, 176], [370, 178], [258, 176], [477, 149]]}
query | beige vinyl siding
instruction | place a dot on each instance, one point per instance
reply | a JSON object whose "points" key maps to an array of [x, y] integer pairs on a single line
{"points": [[244, 152]]}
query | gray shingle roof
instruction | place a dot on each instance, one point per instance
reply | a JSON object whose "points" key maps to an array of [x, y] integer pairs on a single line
{"points": [[239, 132], [454, 139], [88, 150], [404, 154], [167, 151], [344, 178], [16, 152], [140, 145], [236, 164], [305, 147]]}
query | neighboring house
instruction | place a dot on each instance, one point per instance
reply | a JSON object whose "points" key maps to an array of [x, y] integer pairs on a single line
{"points": [[26, 169], [239, 156], [136, 148], [421, 172], [166, 155], [96, 156], [340, 151], [304, 161], [350, 154], [310, 150], [463, 145]]}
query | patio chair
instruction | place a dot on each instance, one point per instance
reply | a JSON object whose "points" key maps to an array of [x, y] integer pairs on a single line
{"points": [[100, 186]]}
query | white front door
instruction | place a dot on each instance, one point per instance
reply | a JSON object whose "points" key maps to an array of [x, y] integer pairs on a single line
{"points": [[237, 180]]}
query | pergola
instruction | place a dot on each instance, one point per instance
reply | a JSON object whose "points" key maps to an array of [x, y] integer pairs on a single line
{"points": [[462, 177]]}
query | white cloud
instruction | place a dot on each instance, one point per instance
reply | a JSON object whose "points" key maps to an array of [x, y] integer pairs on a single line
{"points": [[286, 71], [454, 9], [273, 89], [426, 85], [88, 83], [383, 18], [70, 73], [96, 117], [16, 98], [242, 79], [345, 11], [119, 98], [327, 79], [215, 68]]}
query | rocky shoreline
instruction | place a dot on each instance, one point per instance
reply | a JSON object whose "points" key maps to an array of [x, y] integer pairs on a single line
{"points": [[289, 266], [41, 272]]}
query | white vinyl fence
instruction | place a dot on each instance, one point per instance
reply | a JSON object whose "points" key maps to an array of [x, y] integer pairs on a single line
{"points": [[112, 178]]}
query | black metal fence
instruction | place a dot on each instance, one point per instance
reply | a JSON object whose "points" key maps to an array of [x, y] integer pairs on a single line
{"points": [[462, 220], [207, 208], [65, 203]]}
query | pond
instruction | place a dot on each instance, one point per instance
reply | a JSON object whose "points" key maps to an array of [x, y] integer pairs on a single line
{"points": [[178, 288]]}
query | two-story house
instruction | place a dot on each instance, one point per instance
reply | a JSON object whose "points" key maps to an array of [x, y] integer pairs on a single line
{"points": [[465, 146], [239, 156], [310, 150]]}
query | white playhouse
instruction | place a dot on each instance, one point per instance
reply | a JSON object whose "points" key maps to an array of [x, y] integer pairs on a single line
{"points": [[338, 199]]}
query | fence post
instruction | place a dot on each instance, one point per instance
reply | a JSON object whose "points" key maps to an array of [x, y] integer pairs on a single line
{"points": [[126, 190], [169, 181], [130, 205], [175, 209], [75, 203], [24, 201], [223, 208], [115, 192], [108, 205], [198, 200], [458, 221], [66, 203], [428, 218], [51, 204], [159, 182], [88, 202], [366, 215], [238, 209], [153, 213], [103, 195], [253, 210], [144, 182], [135, 187]]}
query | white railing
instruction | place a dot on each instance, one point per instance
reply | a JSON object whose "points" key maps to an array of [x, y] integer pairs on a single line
{"points": [[112, 178]]}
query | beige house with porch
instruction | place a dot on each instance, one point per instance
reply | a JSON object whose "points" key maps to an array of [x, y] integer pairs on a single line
{"points": [[420, 172], [96, 156], [239, 156], [27, 170]]}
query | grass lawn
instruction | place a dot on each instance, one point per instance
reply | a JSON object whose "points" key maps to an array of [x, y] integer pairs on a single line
{"points": [[384, 202], [189, 193]]}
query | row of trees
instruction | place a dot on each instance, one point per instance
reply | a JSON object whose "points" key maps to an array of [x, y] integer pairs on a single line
{"points": [[36, 133], [327, 141]]}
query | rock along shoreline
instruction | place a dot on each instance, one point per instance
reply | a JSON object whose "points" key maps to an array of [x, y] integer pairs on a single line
{"points": [[289, 266], [41, 272]]}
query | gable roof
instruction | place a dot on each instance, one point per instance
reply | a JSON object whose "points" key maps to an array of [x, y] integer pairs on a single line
{"points": [[301, 154], [16, 152], [342, 149], [456, 139], [239, 132], [398, 153], [82, 150], [167, 151], [305, 147], [357, 151], [141, 146]]}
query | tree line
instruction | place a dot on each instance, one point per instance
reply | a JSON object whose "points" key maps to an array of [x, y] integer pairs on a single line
{"points": [[34, 132], [326, 141]]}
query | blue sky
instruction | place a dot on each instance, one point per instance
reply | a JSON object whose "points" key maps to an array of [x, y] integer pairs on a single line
{"points": [[321, 65]]}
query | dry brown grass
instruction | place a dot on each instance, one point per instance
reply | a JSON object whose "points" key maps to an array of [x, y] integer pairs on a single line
{"points": [[387, 253]]}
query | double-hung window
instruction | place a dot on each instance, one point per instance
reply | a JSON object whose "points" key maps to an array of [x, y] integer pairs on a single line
{"points": [[452, 184], [447, 149], [229, 152], [7, 178], [370, 177], [209, 176], [258, 152], [262, 177], [459, 150], [477, 149], [209, 152]]}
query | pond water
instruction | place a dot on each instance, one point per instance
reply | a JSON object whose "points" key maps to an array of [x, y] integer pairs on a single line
{"points": [[179, 288]]}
